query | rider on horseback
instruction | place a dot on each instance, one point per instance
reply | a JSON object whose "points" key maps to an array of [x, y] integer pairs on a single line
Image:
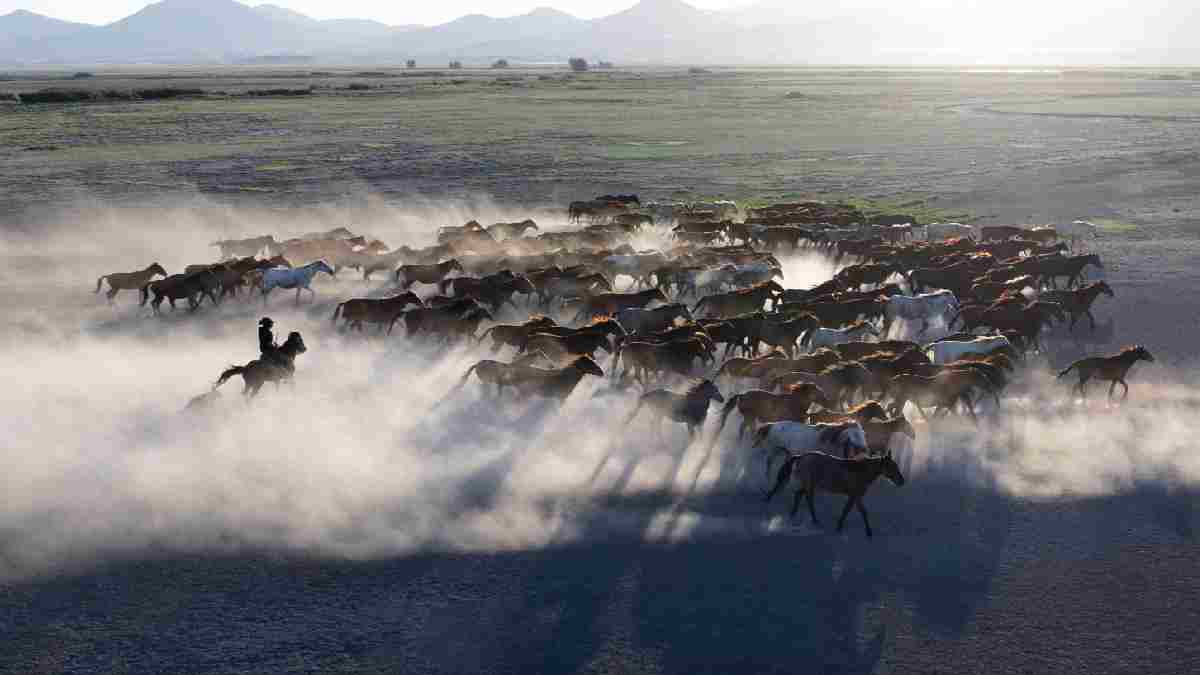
{"points": [[266, 344]]}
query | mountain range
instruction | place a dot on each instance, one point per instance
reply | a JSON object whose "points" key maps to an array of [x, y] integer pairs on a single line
{"points": [[1155, 32]]}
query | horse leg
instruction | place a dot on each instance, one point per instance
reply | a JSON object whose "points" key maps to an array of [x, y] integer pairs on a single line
{"points": [[1111, 388], [112, 293], [812, 507], [1091, 318], [866, 521], [796, 501], [846, 511], [298, 296], [1126, 387]]}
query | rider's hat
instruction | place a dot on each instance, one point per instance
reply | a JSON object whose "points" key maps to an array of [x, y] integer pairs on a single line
{"points": [[266, 321]]}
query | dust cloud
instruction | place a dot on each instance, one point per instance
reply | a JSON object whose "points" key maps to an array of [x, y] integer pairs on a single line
{"points": [[371, 454]]}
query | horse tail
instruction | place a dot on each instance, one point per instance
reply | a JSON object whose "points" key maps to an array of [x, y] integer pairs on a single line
{"points": [[230, 372], [729, 406], [100, 282], [1068, 369], [336, 311], [781, 478]]}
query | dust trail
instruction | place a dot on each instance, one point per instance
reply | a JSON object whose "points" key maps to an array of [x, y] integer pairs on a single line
{"points": [[355, 460]]}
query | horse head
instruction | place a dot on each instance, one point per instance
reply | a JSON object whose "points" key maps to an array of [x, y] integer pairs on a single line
{"points": [[156, 269], [322, 266], [294, 344], [1104, 288], [1140, 353]]}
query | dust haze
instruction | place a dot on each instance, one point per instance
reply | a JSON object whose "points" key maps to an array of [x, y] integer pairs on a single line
{"points": [[370, 453]]}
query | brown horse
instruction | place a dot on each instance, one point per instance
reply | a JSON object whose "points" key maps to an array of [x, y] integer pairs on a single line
{"points": [[814, 471], [1108, 368], [1078, 302], [129, 281], [515, 335], [532, 381], [260, 371], [757, 406], [382, 311], [407, 275]]}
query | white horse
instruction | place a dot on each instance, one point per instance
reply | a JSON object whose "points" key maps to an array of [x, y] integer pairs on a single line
{"points": [[829, 337], [788, 438], [921, 308], [298, 278], [949, 351], [943, 231]]}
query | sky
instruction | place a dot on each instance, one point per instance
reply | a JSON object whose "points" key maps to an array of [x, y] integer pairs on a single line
{"points": [[387, 11]]}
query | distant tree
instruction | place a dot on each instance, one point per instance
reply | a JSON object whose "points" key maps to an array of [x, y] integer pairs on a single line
{"points": [[82, 75], [577, 64], [411, 63], [500, 63], [604, 65], [456, 65]]}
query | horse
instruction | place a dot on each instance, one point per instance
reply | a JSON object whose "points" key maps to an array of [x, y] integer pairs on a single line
{"points": [[129, 281], [645, 358], [194, 287], [758, 406], [608, 304], [1078, 302], [846, 439], [831, 337], [298, 278], [690, 407], [1109, 368], [814, 471], [947, 351], [923, 307], [511, 230], [515, 335], [378, 311], [639, 320], [238, 248], [260, 371], [407, 275]]}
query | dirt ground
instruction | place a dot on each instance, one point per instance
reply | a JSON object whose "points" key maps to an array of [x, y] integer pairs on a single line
{"points": [[373, 520]]}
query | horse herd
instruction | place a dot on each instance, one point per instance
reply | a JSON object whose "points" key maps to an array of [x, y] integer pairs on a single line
{"points": [[821, 377]]}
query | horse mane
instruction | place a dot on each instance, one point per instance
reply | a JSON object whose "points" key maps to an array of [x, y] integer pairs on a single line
{"points": [[1129, 349]]}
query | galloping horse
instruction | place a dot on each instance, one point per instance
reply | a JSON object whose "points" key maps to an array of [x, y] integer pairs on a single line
{"points": [[298, 278], [1110, 368], [814, 471], [129, 281], [260, 371], [690, 407]]}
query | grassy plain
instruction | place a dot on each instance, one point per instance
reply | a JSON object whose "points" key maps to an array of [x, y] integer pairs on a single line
{"points": [[989, 146]]}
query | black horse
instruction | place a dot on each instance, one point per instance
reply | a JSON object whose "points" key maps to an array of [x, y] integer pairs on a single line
{"points": [[260, 371]]}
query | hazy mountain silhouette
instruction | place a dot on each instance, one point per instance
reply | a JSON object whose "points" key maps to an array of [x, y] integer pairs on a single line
{"points": [[652, 31]]}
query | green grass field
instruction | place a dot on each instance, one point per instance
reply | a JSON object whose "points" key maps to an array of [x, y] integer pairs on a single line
{"points": [[937, 143]]}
